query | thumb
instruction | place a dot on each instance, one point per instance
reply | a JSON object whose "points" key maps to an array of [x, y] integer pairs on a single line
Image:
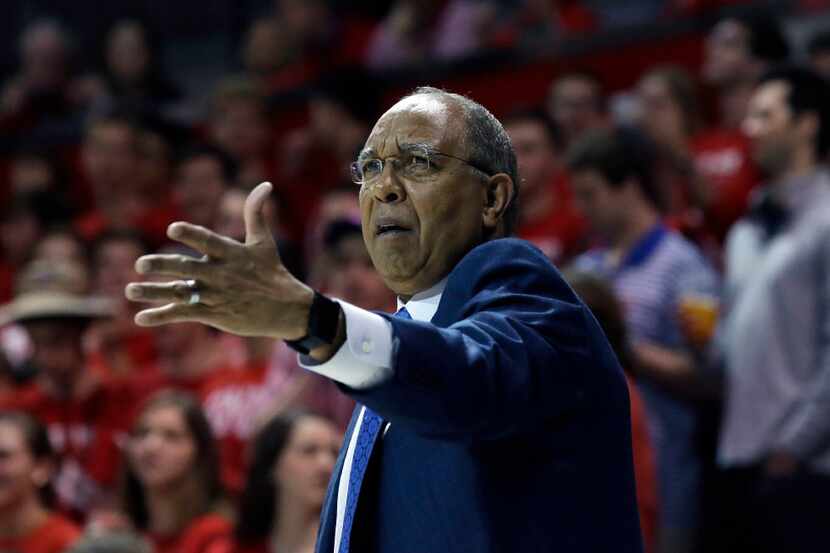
{"points": [[256, 228]]}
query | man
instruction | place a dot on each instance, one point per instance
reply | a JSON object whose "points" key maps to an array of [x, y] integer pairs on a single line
{"points": [[83, 414], [655, 272], [494, 416], [576, 104], [204, 173], [775, 438], [547, 217]]}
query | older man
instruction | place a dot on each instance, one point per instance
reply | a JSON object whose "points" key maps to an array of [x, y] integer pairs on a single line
{"points": [[493, 415]]}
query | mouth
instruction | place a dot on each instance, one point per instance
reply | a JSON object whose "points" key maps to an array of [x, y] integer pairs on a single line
{"points": [[387, 227]]}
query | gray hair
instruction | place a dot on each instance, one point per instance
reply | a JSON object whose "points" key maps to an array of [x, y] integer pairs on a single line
{"points": [[489, 145]]}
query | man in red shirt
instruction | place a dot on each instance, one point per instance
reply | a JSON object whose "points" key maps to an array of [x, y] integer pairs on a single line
{"points": [[547, 216]]}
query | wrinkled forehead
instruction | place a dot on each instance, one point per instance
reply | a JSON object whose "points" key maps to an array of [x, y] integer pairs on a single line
{"points": [[420, 119]]}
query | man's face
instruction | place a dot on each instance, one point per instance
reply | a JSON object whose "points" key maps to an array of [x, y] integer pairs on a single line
{"points": [[199, 189], [110, 156], [728, 58], [241, 128], [353, 277], [58, 353], [535, 154], [20, 472], [769, 125], [417, 231], [601, 204], [115, 267], [574, 106]]}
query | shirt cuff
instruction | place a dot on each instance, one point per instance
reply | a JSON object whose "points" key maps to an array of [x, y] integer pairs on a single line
{"points": [[365, 358]]}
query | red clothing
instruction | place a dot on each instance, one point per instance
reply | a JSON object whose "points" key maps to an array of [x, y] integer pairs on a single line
{"points": [[206, 534], [560, 234], [85, 432], [53, 536], [152, 223], [723, 158], [645, 472]]}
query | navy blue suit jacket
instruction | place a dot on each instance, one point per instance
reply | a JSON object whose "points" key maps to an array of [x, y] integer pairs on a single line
{"points": [[510, 425]]}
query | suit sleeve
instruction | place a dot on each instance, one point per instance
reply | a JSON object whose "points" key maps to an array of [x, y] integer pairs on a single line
{"points": [[524, 351]]}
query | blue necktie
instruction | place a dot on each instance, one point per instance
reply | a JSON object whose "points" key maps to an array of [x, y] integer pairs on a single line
{"points": [[366, 437]]}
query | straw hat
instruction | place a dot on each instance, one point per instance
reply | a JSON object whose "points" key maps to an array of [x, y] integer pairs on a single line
{"points": [[53, 290]]}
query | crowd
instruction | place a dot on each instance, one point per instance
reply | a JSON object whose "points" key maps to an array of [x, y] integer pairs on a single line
{"points": [[691, 212]]}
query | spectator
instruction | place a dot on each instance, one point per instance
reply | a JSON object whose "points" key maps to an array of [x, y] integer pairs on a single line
{"points": [[316, 159], [599, 296], [83, 414], [738, 50], [171, 489], [27, 462], [111, 169], [21, 227], [61, 245], [239, 125], [204, 174], [133, 73], [655, 271], [547, 216], [291, 463], [818, 51], [111, 542], [775, 345], [576, 104], [44, 95], [418, 32], [118, 348]]}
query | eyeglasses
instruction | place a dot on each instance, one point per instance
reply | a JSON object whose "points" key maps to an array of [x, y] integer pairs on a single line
{"points": [[415, 164]]}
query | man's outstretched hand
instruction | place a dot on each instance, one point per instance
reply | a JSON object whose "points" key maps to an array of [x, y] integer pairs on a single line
{"points": [[242, 288]]}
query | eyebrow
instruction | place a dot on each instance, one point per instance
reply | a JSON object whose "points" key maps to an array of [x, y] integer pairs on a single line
{"points": [[402, 147]]}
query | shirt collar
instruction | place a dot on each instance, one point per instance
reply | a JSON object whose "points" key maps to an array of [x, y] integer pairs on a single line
{"points": [[423, 305], [644, 247]]}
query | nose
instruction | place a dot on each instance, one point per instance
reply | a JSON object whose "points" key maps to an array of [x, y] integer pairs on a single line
{"points": [[388, 189]]}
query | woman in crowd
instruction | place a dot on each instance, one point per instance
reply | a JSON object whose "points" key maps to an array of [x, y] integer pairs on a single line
{"points": [[171, 488], [27, 525], [292, 461]]}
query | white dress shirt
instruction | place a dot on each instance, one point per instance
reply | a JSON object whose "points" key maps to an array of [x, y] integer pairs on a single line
{"points": [[365, 359]]}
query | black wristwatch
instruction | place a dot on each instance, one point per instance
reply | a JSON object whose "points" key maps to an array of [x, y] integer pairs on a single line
{"points": [[323, 320]]}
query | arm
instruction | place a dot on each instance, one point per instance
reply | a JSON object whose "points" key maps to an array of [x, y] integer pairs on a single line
{"points": [[524, 351]]}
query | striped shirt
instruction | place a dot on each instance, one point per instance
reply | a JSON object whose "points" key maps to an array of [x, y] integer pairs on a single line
{"points": [[651, 281]]}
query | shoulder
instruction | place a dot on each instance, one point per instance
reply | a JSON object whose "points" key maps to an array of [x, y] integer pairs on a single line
{"points": [[204, 532], [59, 532], [679, 253]]}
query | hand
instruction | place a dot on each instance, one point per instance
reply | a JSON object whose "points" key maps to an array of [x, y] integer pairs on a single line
{"points": [[244, 289], [781, 463]]}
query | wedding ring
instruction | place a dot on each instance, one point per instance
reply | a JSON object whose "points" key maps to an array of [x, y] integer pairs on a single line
{"points": [[195, 297]]}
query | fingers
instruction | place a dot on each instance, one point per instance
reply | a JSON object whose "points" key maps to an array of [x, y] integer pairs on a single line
{"points": [[172, 313], [175, 265], [256, 227], [178, 291], [202, 240]]}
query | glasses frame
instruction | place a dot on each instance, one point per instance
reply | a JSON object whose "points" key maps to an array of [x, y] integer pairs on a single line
{"points": [[356, 167]]}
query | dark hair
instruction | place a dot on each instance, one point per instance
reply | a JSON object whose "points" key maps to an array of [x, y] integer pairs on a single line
{"points": [[539, 116], [819, 43], [260, 498], [618, 155], [682, 89], [586, 76], [230, 169], [767, 41], [37, 441], [133, 498], [808, 93], [600, 298], [489, 145]]}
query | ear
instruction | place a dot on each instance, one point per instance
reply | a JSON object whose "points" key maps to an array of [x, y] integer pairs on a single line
{"points": [[498, 193]]}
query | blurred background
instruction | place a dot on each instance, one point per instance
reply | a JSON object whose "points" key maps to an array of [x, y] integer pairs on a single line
{"points": [[118, 118]]}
